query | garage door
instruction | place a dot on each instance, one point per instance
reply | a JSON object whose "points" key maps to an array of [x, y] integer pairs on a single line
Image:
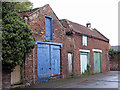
{"points": [[97, 62], [48, 61], [83, 61]]}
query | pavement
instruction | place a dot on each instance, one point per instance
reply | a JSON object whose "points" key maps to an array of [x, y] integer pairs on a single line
{"points": [[101, 80]]}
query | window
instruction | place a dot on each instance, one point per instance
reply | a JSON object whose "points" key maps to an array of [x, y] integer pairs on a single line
{"points": [[48, 28], [84, 40]]}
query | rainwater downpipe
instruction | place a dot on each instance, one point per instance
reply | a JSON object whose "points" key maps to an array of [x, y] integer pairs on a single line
{"points": [[34, 65]]}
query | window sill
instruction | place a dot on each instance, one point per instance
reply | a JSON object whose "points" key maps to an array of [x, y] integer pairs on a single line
{"points": [[84, 45], [49, 40]]}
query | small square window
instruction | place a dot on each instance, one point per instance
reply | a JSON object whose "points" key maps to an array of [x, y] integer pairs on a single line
{"points": [[84, 40]]}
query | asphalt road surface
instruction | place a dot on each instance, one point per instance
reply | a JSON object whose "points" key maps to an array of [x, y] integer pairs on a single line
{"points": [[110, 81], [101, 80]]}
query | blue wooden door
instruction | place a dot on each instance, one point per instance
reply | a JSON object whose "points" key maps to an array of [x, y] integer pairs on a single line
{"points": [[43, 62], [48, 61], [48, 28], [55, 59]]}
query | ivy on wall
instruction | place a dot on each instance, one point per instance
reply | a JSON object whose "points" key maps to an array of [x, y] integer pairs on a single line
{"points": [[113, 52], [16, 38]]}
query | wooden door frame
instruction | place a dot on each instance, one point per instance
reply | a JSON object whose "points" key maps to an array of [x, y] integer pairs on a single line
{"points": [[98, 51], [87, 52], [72, 61], [50, 43]]}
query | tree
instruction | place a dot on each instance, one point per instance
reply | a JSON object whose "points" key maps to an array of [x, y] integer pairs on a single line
{"points": [[16, 39], [17, 6]]}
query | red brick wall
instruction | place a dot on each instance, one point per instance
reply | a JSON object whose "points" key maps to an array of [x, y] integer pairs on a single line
{"points": [[74, 43], [6, 79], [91, 44], [115, 63], [68, 46]]}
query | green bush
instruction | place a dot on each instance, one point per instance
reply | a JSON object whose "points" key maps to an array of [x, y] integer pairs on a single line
{"points": [[16, 40], [113, 52]]}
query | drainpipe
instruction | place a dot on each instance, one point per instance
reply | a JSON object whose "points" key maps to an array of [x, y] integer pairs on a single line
{"points": [[34, 65]]}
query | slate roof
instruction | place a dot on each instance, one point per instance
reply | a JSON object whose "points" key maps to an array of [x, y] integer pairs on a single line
{"points": [[32, 11], [117, 48], [28, 12], [84, 30], [75, 26]]}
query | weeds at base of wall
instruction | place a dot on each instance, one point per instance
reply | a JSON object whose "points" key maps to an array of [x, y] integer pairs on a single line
{"points": [[71, 75], [87, 72]]}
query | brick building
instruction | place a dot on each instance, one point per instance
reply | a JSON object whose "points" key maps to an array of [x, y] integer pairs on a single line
{"points": [[63, 48], [88, 46], [49, 34]]}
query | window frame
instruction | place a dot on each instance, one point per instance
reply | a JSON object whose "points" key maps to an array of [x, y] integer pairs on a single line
{"points": [[51, 23], [84, 40]]}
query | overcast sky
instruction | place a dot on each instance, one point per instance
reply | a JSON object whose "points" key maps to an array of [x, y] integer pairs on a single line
{"points": [[102, 14]]}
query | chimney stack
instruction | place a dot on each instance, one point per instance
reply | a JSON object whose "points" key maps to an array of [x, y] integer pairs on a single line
{"points": [[88, 25]]}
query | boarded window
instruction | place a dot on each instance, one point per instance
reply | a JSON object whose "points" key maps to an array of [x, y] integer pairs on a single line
{"points": [[48, 28]]}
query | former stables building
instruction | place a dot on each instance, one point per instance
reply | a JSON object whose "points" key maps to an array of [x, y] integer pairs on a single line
{"points": [[88, 46], [63, 48]]}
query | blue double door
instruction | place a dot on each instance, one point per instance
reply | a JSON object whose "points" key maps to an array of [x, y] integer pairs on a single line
{"points": [[48, 61]]}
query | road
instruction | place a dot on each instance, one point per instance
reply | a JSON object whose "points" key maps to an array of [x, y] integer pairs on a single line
{"points": [[101, 80], [110, 81]]}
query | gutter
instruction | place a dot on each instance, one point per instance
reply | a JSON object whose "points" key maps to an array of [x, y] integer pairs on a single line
{"points": [[101, 34], [91, 36]]}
